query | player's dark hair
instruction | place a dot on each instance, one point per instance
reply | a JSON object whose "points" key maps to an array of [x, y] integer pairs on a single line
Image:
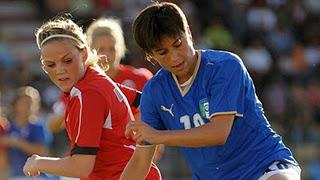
{"points": [[158, 20]]}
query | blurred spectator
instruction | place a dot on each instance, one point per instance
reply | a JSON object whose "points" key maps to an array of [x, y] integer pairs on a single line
{"points": [[7, 62], [257, 58], [280, 40], [238, 24], [276, 109], [298, 59], [3, 149], [24, 137], [313, 6], [217, 36], [260, 17], [299, 115], [54, 7]]}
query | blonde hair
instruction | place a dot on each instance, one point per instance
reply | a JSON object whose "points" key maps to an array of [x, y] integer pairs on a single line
{"points": [[108, 27], [62, 27]]}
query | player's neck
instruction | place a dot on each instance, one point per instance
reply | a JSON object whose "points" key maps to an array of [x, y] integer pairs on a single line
{"points": [[188, 77], [188, 82]]}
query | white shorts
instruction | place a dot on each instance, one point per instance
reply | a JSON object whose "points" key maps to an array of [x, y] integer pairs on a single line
{"points": [[288, 169]]}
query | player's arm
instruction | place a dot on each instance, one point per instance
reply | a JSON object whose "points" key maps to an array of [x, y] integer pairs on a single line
{"points": [[24, 145], [213, 133], [56, 122], [77, 165], [56, 119], [227, 86], [139, 164]]}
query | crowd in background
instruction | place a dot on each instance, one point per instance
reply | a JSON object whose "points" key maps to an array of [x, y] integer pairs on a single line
{"points": [[278, 40]]}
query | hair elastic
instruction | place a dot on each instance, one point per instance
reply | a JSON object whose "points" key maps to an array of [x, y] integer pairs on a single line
{"points": [[58, 36]]}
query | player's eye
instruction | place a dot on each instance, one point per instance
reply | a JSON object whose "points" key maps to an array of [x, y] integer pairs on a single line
{"points": [[50, 65], [68, 61]]}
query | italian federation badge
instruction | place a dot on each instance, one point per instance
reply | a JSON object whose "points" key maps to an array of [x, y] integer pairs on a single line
{"points": [[204, 108]]}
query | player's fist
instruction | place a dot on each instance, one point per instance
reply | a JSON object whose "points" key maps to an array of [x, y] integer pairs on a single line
{"points": [[30, 167]]}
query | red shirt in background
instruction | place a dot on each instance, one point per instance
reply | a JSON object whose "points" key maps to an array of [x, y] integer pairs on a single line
{"points": [[132, 77]]}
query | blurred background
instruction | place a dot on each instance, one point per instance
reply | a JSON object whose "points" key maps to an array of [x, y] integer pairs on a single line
{"points": [[278, 40]]}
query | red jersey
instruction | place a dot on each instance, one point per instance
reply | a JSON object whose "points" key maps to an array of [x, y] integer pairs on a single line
{"points": [[97, 113], [132, 77]]}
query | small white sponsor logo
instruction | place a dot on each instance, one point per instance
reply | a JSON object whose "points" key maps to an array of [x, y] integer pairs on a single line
{"points": [[168, 110]]}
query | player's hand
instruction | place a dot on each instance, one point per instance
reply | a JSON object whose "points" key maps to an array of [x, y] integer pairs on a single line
{"points": [[30, 168], [141, 133]]}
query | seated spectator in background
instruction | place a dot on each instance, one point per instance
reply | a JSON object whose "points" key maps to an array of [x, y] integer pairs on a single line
{"points": [[24, 137]]}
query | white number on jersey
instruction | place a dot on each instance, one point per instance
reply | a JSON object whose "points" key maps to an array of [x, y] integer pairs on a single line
{"points": [[197, 121]]}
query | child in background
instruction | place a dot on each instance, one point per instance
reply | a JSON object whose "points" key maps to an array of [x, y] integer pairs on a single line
{"points": [[23, 136]]}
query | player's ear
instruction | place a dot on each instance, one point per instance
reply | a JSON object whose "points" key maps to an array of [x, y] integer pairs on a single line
{"points": [[150, 59], [189, 33], [84, 54]]}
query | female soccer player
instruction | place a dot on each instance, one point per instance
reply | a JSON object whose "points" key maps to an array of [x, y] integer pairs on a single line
{"points": [[96, 109], [204, 102], [106, 36]]}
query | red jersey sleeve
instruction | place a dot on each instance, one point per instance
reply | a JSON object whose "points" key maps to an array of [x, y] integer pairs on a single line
{"points": [[93, 110]]}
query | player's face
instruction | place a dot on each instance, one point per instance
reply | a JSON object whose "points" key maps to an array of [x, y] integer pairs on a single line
{"points": [[106, 45], [63, 62], [177, 55], [23, 106]]}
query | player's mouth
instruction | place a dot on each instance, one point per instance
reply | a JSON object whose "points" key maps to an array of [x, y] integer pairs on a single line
{"points": [[179, 67], [63, 79]]}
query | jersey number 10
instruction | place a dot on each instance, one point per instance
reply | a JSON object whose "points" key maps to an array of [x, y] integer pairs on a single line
{"points": [[197, 121]]}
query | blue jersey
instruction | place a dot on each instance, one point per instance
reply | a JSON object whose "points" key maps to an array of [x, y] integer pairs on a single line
{"points": [[33, 133], [220, 85]]}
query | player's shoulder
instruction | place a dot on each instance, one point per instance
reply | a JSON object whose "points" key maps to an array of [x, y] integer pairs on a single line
{"points": [[218, 56], [133, 71], [158, 80], [95, 81], [216, 59]]}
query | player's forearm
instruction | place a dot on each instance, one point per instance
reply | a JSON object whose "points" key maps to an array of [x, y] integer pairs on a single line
{"points": [[210, 134], [56, 122], [139, 164], [68, 166], [32, 148]]}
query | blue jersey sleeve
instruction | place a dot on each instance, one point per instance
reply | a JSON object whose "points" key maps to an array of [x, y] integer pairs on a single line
{"points": [[227, 87], [149, 113]]}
